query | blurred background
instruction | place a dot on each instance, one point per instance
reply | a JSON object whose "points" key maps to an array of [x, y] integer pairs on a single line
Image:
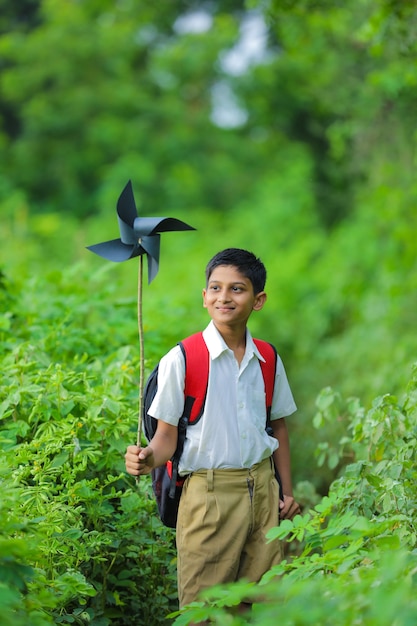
{"points": [[286, 127]]}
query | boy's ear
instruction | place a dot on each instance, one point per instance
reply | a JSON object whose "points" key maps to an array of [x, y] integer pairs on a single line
{"points": [[204, 298], [260, 300]]}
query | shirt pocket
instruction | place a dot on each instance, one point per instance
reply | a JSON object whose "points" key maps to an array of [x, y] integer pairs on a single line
{"points": [[256, 405]]}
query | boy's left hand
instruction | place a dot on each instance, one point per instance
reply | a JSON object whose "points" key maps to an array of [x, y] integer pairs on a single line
{"points": [[288, 508]]}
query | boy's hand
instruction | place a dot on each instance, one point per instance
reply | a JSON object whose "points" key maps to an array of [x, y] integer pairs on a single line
{"points": [[139, 460], [288, 508]]}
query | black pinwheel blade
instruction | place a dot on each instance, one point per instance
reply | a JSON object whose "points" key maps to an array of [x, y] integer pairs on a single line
{"points": [[144, 226], [126, 206], [147, 229], [151, 245], [126, 215], [114, 250]]}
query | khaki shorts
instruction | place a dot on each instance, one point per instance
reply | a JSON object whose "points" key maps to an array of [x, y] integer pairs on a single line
{"points": [[222, 521]]}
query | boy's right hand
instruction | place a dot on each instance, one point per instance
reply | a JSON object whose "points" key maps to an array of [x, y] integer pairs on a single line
{"points": [[139, 460]]}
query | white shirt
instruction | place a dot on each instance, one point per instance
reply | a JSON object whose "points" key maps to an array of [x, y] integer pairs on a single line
{"points": [[231, 432]]}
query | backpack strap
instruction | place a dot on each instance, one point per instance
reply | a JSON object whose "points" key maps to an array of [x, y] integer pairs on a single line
{"points": [[196, 358], [269, 368], [197, 361]]}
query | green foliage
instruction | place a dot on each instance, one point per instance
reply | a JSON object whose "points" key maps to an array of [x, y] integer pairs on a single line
{"points": [[96, 90], [380, 594], [80, 544], [78, 541], [319, 180], [357, 559]]}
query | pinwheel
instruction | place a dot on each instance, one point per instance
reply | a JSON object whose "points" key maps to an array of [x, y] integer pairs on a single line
{"points": [[139, 236]]}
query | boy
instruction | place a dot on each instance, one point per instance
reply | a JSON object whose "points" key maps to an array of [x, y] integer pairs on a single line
{"points": [[230, 498]]}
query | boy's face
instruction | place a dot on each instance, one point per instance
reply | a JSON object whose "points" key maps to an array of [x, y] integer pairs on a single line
{"points": [[229, 297]]}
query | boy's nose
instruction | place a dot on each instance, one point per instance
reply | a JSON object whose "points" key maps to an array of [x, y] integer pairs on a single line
{"points": [[223, 296]]}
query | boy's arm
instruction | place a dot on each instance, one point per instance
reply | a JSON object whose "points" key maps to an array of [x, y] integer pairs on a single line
{"points": [[282, 459], [160, 449]]}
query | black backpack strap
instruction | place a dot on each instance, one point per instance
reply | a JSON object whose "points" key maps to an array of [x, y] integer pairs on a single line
{"points": [[182, 430], [269, 368]]}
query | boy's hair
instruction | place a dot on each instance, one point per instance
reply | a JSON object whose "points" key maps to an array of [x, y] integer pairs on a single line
{"points": [[245, 262]]}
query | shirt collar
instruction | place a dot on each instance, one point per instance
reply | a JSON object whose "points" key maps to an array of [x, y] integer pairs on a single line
{"points": [[216, 344]]}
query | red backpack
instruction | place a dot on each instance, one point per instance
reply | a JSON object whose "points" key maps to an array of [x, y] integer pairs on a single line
{"points": [[166, 483]]}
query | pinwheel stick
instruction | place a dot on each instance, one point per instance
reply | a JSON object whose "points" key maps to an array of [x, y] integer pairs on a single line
{"points": [[141, 350], [141, 354]]}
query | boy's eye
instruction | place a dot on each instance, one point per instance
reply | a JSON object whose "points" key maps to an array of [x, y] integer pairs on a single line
{"points": [[234, 288]]}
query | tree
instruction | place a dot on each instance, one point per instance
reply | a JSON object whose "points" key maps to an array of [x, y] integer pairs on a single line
{"points": [[104, 92]]}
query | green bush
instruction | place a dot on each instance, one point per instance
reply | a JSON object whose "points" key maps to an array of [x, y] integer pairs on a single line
{"points": [[81, 544], [357, 556]]}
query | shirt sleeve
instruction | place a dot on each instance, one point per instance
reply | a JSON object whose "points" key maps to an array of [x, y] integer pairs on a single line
{"points": [[168, 403], [283, 402]]}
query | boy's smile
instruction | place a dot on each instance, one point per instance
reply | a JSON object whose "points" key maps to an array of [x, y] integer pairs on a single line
{"points": [[229, 297]]}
